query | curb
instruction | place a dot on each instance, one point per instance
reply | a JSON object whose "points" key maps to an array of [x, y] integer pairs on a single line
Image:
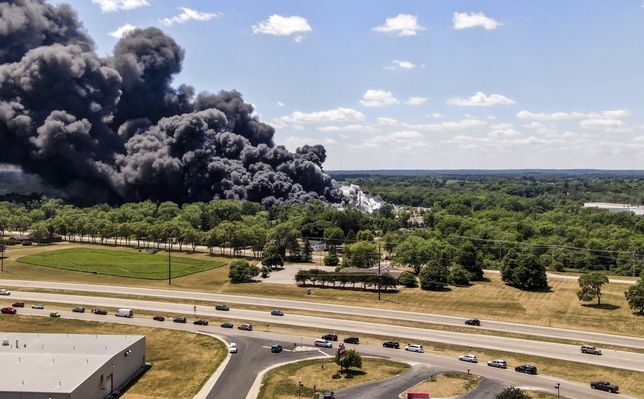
{"points": [[257, 384], [212, 380]]}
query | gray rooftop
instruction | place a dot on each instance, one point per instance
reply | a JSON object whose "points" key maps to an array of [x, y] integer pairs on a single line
{"points": [[55, 362]]}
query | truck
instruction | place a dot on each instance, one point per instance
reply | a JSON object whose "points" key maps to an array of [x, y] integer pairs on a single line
{"points": [[125, 313]]}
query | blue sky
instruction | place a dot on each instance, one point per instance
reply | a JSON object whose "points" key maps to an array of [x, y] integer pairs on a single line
{"points": [[418, 84]]}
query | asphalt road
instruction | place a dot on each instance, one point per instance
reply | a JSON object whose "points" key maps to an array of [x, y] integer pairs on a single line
{"points": [[611, 358], [509, 376], [392, 387], [560, 333]]}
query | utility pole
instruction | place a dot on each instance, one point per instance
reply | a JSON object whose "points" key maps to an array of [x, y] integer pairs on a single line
{"points": [[1, 254], [379, 272], [169, 264]]}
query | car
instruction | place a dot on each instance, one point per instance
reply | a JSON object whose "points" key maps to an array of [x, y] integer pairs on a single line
{"points": [[102, 312], [277, 313], [38, 306], [590, 350], [502, 364], [473, 322], [201, 322], [391, 344], [245, 327], [330, 337], [79, 309], [8, 310], [224, 308], [4, 292], [276, 348], [414, 348], [352, 340], [158, 318], [604, 386], [323, 343], [328, 395], [468, 358], [226, 325], [54, 314], [18, 305], [232, 348], [526, 368], [179, 320]]}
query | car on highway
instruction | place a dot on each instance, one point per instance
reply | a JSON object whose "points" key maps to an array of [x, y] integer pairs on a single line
{"points": [[8, 310], [526, 368], [590, 350], [226, 325], [245, 327], [352, 340], [391, 344], [330, 337], [38, 306], [473, 322], [78, 309], [277, 313], [224, 308], [101, 312], [414, 348], [499, 363], [604, 386], [158, 318], [232, 347], [4, 292], [54, 314], [179, 320], [276, 348], [468, 358], [18, 305], [328, 395], [200, 322], [323, 343]]}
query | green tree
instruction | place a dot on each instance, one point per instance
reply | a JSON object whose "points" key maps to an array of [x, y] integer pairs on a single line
{"points": [[241, 271], [361, 254], [408, 280], [271, 256], [351, 359], [414, 251], [635, 296], [39, 233], [590, 286], [467, 256], [364, 235], [458, 275], [523, 270], [433, 276], [307, 252], [332, 258], [512, 393]]}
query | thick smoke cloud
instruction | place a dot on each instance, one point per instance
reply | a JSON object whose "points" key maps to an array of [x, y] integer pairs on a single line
{"points": [[116, 126]]}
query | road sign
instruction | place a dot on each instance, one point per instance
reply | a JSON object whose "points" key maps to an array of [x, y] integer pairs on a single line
{"points": [[341, 352]]}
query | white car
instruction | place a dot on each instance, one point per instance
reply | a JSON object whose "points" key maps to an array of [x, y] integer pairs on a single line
{"points": [[232, 348], [414, 348], [323, 343], [468, 358], [498, 363], [5, 292], [38, 306]]}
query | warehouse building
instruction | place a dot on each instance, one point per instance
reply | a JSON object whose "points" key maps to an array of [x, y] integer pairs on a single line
{"points": [[68, 366]]}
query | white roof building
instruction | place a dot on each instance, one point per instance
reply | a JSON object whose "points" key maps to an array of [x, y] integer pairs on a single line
{"points": [[611, 207]]}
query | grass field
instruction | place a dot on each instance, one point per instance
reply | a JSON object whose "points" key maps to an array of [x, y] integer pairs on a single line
{"points": [[198, 358], [282, 382], [119, 263], [448, 385]]}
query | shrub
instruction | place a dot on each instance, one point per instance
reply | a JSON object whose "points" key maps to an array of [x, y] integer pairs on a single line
{"points": [[433, 276], [408, 280], [458, 275], [241, 271]]}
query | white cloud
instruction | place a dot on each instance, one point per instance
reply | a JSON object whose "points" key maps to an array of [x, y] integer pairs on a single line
{"points": [[401, 25], [413, 100], [118, 5], [278, 25], [602, 123], [560, 116], [480, 99], [188, 14], [280, 104], [507, 133], [386, 121], [327, 116], [347, 128], [435, 115], [467, 123], [378, 98], [465, 20], [121, 31], [396, 141], [293, 142], [403, 64]]}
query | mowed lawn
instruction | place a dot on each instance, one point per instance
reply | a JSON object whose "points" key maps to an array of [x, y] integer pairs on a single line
{"points": [[120, 263]]}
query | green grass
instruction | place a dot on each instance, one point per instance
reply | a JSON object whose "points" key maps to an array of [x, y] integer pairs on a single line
{"points": [[119, 263]]}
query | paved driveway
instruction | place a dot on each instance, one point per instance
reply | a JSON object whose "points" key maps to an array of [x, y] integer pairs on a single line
{"points": [[287, 275]]}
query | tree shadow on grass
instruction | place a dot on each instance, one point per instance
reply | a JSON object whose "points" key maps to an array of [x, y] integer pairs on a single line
{"points": [[604, 306]]}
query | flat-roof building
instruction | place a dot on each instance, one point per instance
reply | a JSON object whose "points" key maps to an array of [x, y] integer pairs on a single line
{"points": [[68, 366], [611, 207]]}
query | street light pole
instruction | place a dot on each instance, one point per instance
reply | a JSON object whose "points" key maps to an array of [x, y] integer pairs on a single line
{"points": [[557, 384], [379, 272]]}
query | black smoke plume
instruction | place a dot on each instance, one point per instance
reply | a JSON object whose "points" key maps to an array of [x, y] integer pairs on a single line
{"points": [[116, 126]]}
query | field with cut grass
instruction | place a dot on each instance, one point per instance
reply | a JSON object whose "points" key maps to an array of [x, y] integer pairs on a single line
{"points": [[119, 263], [448, 385], [199, 357]]}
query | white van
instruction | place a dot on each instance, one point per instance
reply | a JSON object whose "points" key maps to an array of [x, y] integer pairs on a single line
{"points": [[414, 348], [125, 313], [323, 343]]}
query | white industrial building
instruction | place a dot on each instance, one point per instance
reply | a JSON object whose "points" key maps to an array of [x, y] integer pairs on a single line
{"points": [[68, 366], [610, 207]]}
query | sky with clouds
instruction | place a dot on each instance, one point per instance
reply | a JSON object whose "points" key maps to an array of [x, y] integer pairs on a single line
{"points": [[417, 84]]}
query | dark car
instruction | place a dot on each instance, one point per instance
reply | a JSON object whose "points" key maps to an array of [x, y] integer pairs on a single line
{"points": [[328, 395], [391, 344], [180, 320], [18, 305], [226, 325], [245, 327], [99, 311], [604, 386], [277, 313], [201, 322], [158, 318], [276, 348], [330, 337], [79, 309], [225, 308], [526, 368], [8, 310], [473, 322], [352, 340]]}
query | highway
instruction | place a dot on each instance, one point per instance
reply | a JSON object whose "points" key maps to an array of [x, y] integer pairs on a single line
{"points": [[610, 358], [509, 376], [558, 333]]}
